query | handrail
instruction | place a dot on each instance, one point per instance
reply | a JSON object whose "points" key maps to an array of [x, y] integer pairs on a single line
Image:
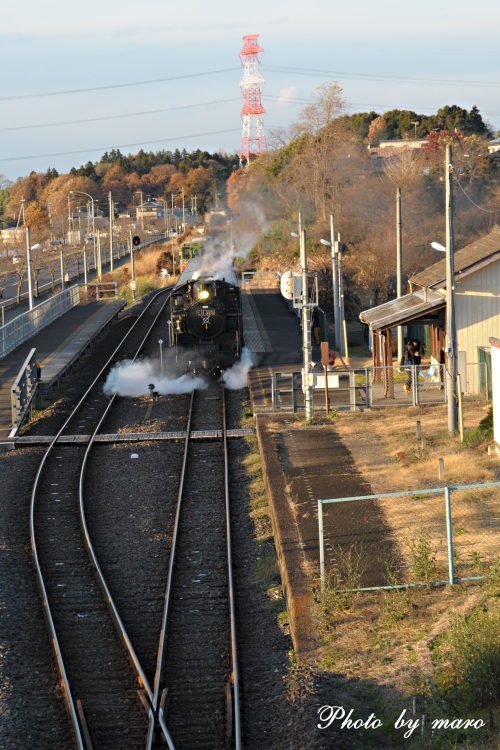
{"points": [[41, 585], [232, 608]]}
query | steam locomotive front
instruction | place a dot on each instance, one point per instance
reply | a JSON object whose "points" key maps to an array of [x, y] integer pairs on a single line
{"points": [[206, 322], [206, 316]]}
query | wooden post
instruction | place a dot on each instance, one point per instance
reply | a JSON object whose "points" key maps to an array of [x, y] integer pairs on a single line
{"points": [[390, 371]]}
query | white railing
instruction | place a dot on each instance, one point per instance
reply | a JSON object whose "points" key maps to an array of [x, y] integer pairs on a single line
{"points": [[260, 279], [26, 325], [100, 290], [23, 391]]}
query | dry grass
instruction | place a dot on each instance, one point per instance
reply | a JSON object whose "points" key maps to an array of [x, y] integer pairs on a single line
{"points": [[146, 277], [386, 451]]}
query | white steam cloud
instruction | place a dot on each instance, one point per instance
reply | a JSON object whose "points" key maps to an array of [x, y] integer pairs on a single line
{"points": [[237, 375], [217, 259], [130, 378]]}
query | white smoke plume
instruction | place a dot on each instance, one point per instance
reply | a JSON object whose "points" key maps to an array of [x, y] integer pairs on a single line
{"points": [[237, 375], [217, 259], [130, 378], [219, 253]]}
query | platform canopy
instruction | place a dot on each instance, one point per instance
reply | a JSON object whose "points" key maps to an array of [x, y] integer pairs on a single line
{"points": [[422, 304]]}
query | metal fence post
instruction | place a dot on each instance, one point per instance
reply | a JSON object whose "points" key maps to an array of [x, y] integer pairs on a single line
{"points": [[367, 387], [352, 390], [449, 534], [295, 387], [485, 365], [260, 279], [321, 544], [414, 385], [273, 391]]}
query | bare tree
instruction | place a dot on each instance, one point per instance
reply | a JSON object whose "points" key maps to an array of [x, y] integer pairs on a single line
{"points": [[404, 168]]}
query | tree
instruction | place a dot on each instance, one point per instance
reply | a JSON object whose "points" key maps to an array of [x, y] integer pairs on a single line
{"points": [[377, 128]]}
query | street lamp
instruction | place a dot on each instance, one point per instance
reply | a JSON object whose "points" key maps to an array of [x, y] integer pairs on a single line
{"points": [[81, 192], [438, 246], [414, 122], [306, 328], [142, 209]]}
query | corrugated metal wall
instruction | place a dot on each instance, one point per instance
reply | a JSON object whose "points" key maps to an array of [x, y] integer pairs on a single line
{"points": [[478, 309]]}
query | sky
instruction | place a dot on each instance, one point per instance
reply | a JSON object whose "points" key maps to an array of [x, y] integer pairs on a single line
{"points": [[183, 61]]}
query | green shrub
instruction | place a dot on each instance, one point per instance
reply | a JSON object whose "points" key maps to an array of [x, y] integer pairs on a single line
{"points": [[472, 679], [423, 557]]}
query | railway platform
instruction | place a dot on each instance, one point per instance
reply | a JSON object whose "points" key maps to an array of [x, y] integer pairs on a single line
{"points": [[300, 464], [58, 347]]}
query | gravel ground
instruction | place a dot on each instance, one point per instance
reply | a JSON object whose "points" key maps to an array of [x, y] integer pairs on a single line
{"points": [[32, 714], [133, 527]]}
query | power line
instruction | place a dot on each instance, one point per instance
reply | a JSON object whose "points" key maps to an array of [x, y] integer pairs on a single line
{"points": [[410, 209], [114, 86], [125, 145], [486, 210], [118, 117], [371, 77]]}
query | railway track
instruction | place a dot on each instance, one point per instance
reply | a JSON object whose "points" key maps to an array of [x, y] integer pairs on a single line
{"points": [[198, 661], [195, 687], [98, 681]]}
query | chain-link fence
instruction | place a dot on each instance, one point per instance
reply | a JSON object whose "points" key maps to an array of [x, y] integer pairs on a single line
{"points": [[421, 537], [423, 385]]}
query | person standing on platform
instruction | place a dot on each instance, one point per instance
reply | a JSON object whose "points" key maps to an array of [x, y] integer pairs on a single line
{"points": [[315, 324], [407, 361]]}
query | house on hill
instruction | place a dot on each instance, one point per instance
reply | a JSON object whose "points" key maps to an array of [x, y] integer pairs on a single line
{"points": [[477, 306]]}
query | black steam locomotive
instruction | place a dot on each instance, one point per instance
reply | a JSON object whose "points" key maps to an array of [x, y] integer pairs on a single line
{"points": [[206, 316]]}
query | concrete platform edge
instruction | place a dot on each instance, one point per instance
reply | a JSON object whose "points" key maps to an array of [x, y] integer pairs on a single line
{"points": [[295, 581]]}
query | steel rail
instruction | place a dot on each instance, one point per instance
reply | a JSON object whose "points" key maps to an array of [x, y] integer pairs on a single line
{"points": [[168, 591], [232, 606], [46, 608], [90, 549]]}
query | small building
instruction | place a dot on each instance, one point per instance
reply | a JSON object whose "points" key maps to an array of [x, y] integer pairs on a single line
{"points": [[494, 149], [149, 211], [477, 305]]}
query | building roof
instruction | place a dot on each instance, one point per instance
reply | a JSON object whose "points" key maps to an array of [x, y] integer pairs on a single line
{"points": [[468, 259], [402, 310]]}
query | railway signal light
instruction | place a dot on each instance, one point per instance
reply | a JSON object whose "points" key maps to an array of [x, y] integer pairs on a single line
{"points": [[136, 241]]}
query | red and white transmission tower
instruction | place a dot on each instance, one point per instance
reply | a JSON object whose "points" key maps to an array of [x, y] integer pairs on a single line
{"points": [[253, 140]]}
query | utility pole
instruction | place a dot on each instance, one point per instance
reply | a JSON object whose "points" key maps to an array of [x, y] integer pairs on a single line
{"points": [[306, 328], [132, 272], [28, 254], [85, 276], [183, 213], [99, 259], [335, 276], [62, 270], [451, 331], [111, 212], [341, 296], [49, 206], [399, 267]]}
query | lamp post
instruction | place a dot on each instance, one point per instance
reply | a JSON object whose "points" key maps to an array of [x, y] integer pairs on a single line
{"points": [[306, 328], [335, 280], [81, 192], [451, 331], [28, 254], [142, 209]]}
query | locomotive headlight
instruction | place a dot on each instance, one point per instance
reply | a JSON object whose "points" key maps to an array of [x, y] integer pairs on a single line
{"points": [[203, 290]]}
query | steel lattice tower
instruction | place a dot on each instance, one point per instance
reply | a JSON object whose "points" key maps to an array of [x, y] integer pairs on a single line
{"points": [[253, 140]]}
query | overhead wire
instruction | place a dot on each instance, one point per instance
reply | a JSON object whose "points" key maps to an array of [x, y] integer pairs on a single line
{"points": [[125, 145], [114, 85], [410, 209], [373, 77], [486, 210]]}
